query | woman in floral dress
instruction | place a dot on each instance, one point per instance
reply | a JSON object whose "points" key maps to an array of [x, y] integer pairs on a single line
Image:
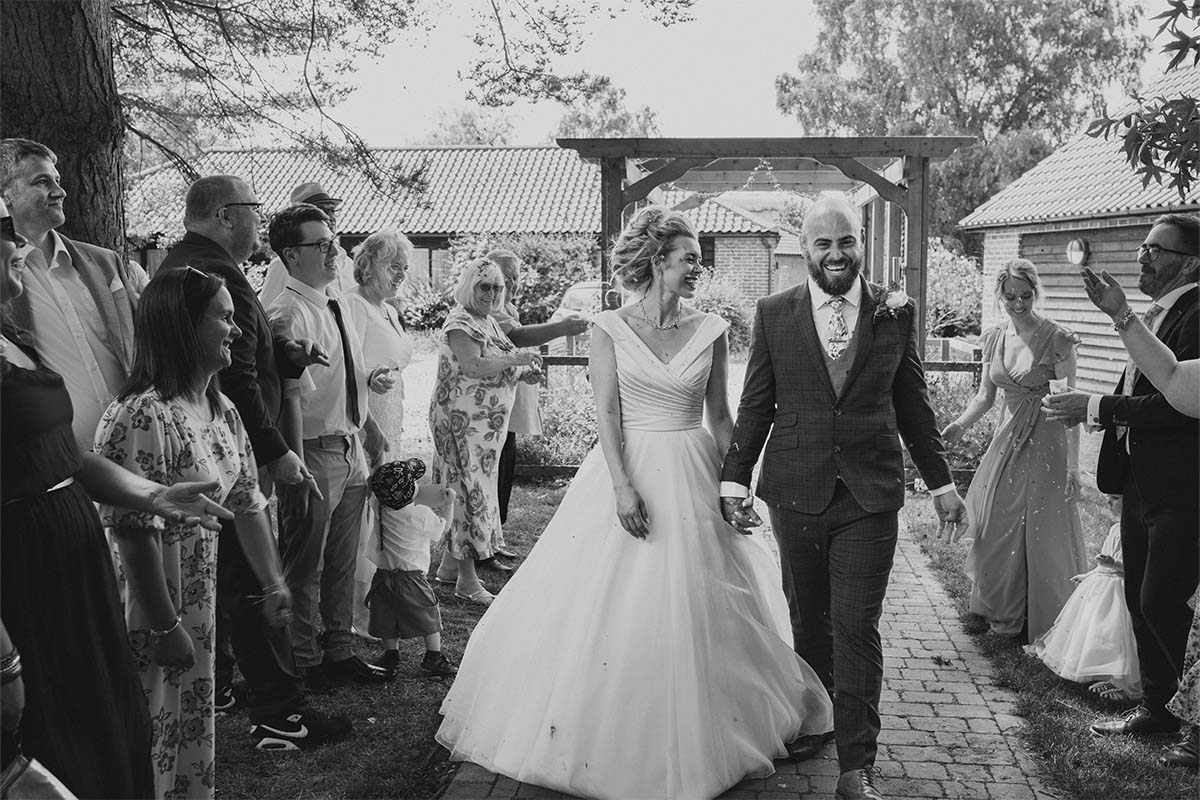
{"points": [[478, 371], [171, 424]]}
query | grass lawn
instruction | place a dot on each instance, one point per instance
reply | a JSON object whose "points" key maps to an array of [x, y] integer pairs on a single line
{"points": [[392, 753], [1058, 712]]}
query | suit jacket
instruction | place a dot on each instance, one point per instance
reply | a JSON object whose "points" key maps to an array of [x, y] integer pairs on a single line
{"points": [[107, 278], [815, 436], [254, 380], [1164, 444]]}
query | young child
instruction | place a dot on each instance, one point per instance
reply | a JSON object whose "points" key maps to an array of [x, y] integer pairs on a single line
{"points": [[402, 603], [1092, 638]]}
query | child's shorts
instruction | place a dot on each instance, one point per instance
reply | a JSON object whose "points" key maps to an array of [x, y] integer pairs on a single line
{"points": [[403, 605]]}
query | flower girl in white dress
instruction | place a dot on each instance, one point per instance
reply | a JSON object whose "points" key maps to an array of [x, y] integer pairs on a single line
{"points": [[643, 650]]}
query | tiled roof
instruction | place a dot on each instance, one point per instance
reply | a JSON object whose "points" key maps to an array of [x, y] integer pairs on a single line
{"points": [[471, 190], [716, 215], [1087, 177]]}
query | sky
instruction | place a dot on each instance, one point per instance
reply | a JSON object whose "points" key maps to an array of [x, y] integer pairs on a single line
{"points": [[713, 76]]}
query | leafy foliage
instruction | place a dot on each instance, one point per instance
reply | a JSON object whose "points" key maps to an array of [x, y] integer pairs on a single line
{"points": [[421, 306], [954, 294], [949, 394], [604, 115], [568, 420], [471, 125], [937, 67], [1162, 136], [551, 265], [718, 294]]}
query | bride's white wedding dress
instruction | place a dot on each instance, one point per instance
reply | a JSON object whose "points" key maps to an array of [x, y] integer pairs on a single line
{"points": [[613, 667]]}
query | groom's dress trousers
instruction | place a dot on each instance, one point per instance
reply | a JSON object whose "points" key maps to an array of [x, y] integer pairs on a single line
{"points": [[833, 478], [1151, 456]]}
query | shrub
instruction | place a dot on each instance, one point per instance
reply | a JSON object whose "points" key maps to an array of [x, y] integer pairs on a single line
{"points": [[552, 264], [954, 293], [718, 294], [421, 306], [568, 420], [949, 394]]}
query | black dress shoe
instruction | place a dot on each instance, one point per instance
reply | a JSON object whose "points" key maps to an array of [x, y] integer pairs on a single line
{"points": [[504, 553], [1141, 721], [1185, 753], [805, 747], [858, 784], [355, 670], [495, 564]]}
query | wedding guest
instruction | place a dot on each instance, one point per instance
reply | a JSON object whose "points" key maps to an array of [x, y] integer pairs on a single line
{"points": [[275, 279], [68, 677], [478, 370], [1092, 641], [319, 529], [221, 218], [171, 424], [403, 604], [78, 301], [380, 264], [1149, 456], [1028, 540]]}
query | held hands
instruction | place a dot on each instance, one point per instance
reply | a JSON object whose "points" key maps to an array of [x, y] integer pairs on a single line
{"points": [[305, 352], [953, 516], [739, 512], [1069, 408], [185, 503], [175, 649], [1072, 490], [953, 433], [381, 380], [632, 512], [1104, 292], [532, 363], [277, 604]]}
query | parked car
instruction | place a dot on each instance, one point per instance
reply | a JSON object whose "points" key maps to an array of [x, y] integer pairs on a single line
{"points": [[580, 298]]}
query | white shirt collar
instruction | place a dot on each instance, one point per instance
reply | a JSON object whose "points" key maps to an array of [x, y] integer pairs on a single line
{"points": [[315, 296], [1168, 299], [60, 258], [820, 297]]}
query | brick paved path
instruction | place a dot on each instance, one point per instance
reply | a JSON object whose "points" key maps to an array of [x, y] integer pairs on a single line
{"points": [[947, 731]]}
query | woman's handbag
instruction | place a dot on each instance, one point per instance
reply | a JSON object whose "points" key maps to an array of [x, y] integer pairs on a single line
{"points": [[26, 779]]}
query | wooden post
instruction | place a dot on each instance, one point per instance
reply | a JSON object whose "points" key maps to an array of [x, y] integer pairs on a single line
{"points": [[878, 238], [895, 233], [916, 177], [612, 173]]}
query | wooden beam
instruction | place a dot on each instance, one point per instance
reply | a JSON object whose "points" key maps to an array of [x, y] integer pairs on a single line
{"points": [[878, 239], [916, 175], [734, 181], [886, 189], [933, 147], [675, 169], [612, 174]]}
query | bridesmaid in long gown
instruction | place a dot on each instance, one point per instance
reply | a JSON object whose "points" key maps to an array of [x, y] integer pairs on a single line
{"points": [[1021, 506]]}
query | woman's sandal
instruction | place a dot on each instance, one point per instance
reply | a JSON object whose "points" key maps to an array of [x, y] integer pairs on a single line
{"points": [[480, 596], [1110, 691]]}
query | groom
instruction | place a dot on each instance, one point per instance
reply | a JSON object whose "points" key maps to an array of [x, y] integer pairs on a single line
{"points": [[833, 381]]}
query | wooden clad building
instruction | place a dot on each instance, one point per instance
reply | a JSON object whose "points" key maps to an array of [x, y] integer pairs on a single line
{"points": [[1085, 193]]}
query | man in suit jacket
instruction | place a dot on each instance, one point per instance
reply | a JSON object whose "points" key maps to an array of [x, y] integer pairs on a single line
{"points": [[221, 218], [835, 379], [79, 298], [1151, 456]]}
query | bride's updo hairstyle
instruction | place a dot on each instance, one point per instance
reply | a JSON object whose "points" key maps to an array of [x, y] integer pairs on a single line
{"points": [[650, 234]]}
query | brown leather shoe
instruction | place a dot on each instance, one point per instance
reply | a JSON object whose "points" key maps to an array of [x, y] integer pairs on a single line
{"points": [[858, 784], [805, 747], [1141, 721], [1185, 753]]}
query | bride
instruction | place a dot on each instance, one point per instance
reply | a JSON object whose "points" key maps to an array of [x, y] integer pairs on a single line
{"points": [[643, 650]]}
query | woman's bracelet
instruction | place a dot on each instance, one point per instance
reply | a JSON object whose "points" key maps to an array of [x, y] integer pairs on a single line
{"points": [[158, 635], [10, 667], [1122, 322]]}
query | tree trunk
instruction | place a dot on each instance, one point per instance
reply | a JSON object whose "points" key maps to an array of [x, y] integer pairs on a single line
{"points": [[59, 88]]}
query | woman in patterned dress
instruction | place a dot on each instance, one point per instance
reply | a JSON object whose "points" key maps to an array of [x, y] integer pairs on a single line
{"points": [[172, 424], [478, 371]]}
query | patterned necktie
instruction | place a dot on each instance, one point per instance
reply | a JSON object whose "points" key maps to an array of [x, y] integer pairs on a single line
{"points": [[1131, 370], [348, 362], [836, 335]]}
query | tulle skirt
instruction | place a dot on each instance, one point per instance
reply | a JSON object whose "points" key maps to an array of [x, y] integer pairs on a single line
{"points": [[612, 667]]}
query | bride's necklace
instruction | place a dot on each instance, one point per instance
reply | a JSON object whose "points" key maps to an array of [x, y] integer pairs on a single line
{"points": [[672, 325]]}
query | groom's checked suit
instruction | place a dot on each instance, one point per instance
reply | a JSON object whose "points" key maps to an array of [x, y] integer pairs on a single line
{"points": [[833, 477]]}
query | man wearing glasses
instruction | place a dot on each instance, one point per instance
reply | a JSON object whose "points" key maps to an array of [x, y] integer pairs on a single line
{"points": [[314, 194], [222, 217], [78, 300], [319, 527], [1150, 456]]}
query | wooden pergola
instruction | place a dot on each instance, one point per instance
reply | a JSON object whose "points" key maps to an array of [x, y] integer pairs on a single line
{"points": [[895, 167]]}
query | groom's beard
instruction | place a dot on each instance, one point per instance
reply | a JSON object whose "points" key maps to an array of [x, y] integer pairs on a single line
{"points": [[837, 282]]}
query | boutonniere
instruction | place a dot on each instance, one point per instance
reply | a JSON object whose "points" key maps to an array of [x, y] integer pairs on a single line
{"points": [[892, 303]]}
